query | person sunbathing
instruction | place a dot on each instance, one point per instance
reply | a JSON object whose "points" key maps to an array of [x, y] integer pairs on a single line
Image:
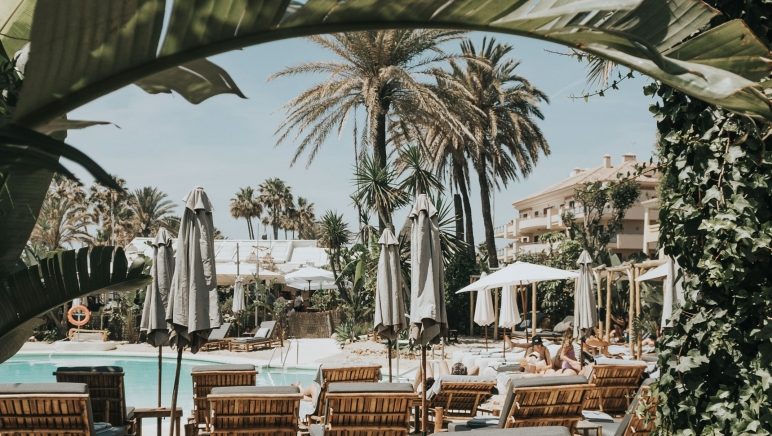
{"points": [[566, 362], [458, 368], [534, 352]]}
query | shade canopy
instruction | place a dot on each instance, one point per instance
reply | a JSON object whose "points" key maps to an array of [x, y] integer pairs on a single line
{"points": [[658, 273], [309, 273], [428, 314], [519, 273], [193, 312], [153, 321], [313, 285], [389, 319], [672, 286], [509, 316], [585, 307], [227, 273]]}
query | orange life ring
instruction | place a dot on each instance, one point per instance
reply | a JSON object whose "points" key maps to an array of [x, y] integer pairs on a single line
{"points": [[79, 315]]}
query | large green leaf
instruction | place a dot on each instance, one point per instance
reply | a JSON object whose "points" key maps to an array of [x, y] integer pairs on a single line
{"points": [[31, 292], [196, 81], [109, 44], [15, 24]]}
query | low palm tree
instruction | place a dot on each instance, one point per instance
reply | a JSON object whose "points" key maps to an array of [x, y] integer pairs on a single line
{"points": [[111, 213], [275, 196], [63, 221], [151, 207], [378, 189], [499, 109], [246, 205], [334, 234], [377, 70]]}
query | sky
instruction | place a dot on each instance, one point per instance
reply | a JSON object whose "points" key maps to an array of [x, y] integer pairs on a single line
{"points": [[227, 142]]}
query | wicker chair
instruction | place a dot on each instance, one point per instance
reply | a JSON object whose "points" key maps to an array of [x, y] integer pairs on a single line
{"points": [[616, 382], [106, 389], [48, 409], [207, 377], [367, 409], [459, 395], [544, 401], [254, 410]]}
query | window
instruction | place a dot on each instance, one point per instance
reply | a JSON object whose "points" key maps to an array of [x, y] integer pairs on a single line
{"points": [[536, 238], [571, 204], [536, 214]]}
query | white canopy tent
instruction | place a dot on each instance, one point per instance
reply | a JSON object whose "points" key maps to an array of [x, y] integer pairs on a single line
{"points": [[312, 285], [228, 272], [521, 273]]}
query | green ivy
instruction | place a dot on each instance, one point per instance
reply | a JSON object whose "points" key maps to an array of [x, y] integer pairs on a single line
{"points": [[716, 200]]}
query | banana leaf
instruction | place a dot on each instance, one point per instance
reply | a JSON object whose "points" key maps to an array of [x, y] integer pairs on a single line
{"points": [[30, 292], [195, 81]]}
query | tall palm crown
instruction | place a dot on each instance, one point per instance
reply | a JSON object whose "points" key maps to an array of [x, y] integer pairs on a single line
{"points": [[275, 196], [63, 219], [112, 214], [498, 108], [152, 208], [306, 218], [246, 205], [377, 70]]}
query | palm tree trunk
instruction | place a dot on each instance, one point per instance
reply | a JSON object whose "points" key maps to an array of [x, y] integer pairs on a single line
{"points": [[468, 232], [485, 199], [275, 225], [384, 216], [250, 230], [459, 215]]}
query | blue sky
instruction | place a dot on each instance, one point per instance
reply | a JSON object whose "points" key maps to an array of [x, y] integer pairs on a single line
{"points": [[227, 142]]}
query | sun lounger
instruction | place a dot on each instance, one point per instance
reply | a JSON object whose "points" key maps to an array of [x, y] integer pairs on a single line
{"points": [[459, 395], [265, 337], [254, 410], [207, 377], [639, 419], [106, 389], [522, 431], [367, 409], [38, 409], [327, 374], [616, 381], [217, 339]]}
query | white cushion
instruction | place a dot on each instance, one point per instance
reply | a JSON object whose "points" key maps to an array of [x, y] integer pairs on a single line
{"points": [[262, 332]]}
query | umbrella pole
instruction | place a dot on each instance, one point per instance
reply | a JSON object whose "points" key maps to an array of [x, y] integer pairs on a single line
{"points": [[389, 345], [424, 412], [160, 365], [174, 390], [486, 337]]}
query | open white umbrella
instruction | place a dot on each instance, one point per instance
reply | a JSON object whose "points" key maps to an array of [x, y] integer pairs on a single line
{"points": [[585, 308], [309, 273], [519, 273], [389, 319], [428, 314], [193, 311], [312, 285], [153, 321]]}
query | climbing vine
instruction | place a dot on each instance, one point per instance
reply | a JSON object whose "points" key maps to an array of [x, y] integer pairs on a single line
{"points": [[716, 198]]}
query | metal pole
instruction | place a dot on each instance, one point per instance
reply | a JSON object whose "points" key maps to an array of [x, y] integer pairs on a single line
{"points": [[388, 343], [159, 420], [424, 412]]}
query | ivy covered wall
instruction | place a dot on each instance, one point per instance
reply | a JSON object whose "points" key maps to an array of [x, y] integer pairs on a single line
{"points": [[716, 197]]}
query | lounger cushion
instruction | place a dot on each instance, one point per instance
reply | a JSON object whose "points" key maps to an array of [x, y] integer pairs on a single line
{"points": [[262, 333], [105, 429], [223, 367], [622, 362], [531, 382], [255, 390], [520, 431], [564, 325], [369, 387], [43, 388], [437, 386], [95, 369]]}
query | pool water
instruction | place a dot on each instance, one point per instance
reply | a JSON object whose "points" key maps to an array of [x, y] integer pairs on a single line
{"points": [[141, 375]]}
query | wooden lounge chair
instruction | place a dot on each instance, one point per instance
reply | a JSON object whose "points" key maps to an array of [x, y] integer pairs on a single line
{"points": [[459, 395], [540, 401], [254, 410], [48, 409], [207, 377], [640, 416], [106, 389], [217, 339], [552, 430], [367, 409], [362, 373], [262, 339], [616, 382]]}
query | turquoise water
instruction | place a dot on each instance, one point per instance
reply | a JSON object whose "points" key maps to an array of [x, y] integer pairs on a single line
{"points": [[141, 375]]}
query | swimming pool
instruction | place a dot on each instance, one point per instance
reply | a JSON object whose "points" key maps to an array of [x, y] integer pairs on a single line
{"points": [[141, 375]]}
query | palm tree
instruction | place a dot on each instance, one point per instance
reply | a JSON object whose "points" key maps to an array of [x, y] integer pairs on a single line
{"points": [[377, 189], [334, 235], [377, 71], [246, 205], [63, 220], [288, 220], [151, 207], [111, 213], [275, 196], [498, 109], [305, 219]]}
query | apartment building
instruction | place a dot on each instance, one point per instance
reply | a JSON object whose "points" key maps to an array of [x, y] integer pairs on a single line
{"points": [[542, 212]]}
